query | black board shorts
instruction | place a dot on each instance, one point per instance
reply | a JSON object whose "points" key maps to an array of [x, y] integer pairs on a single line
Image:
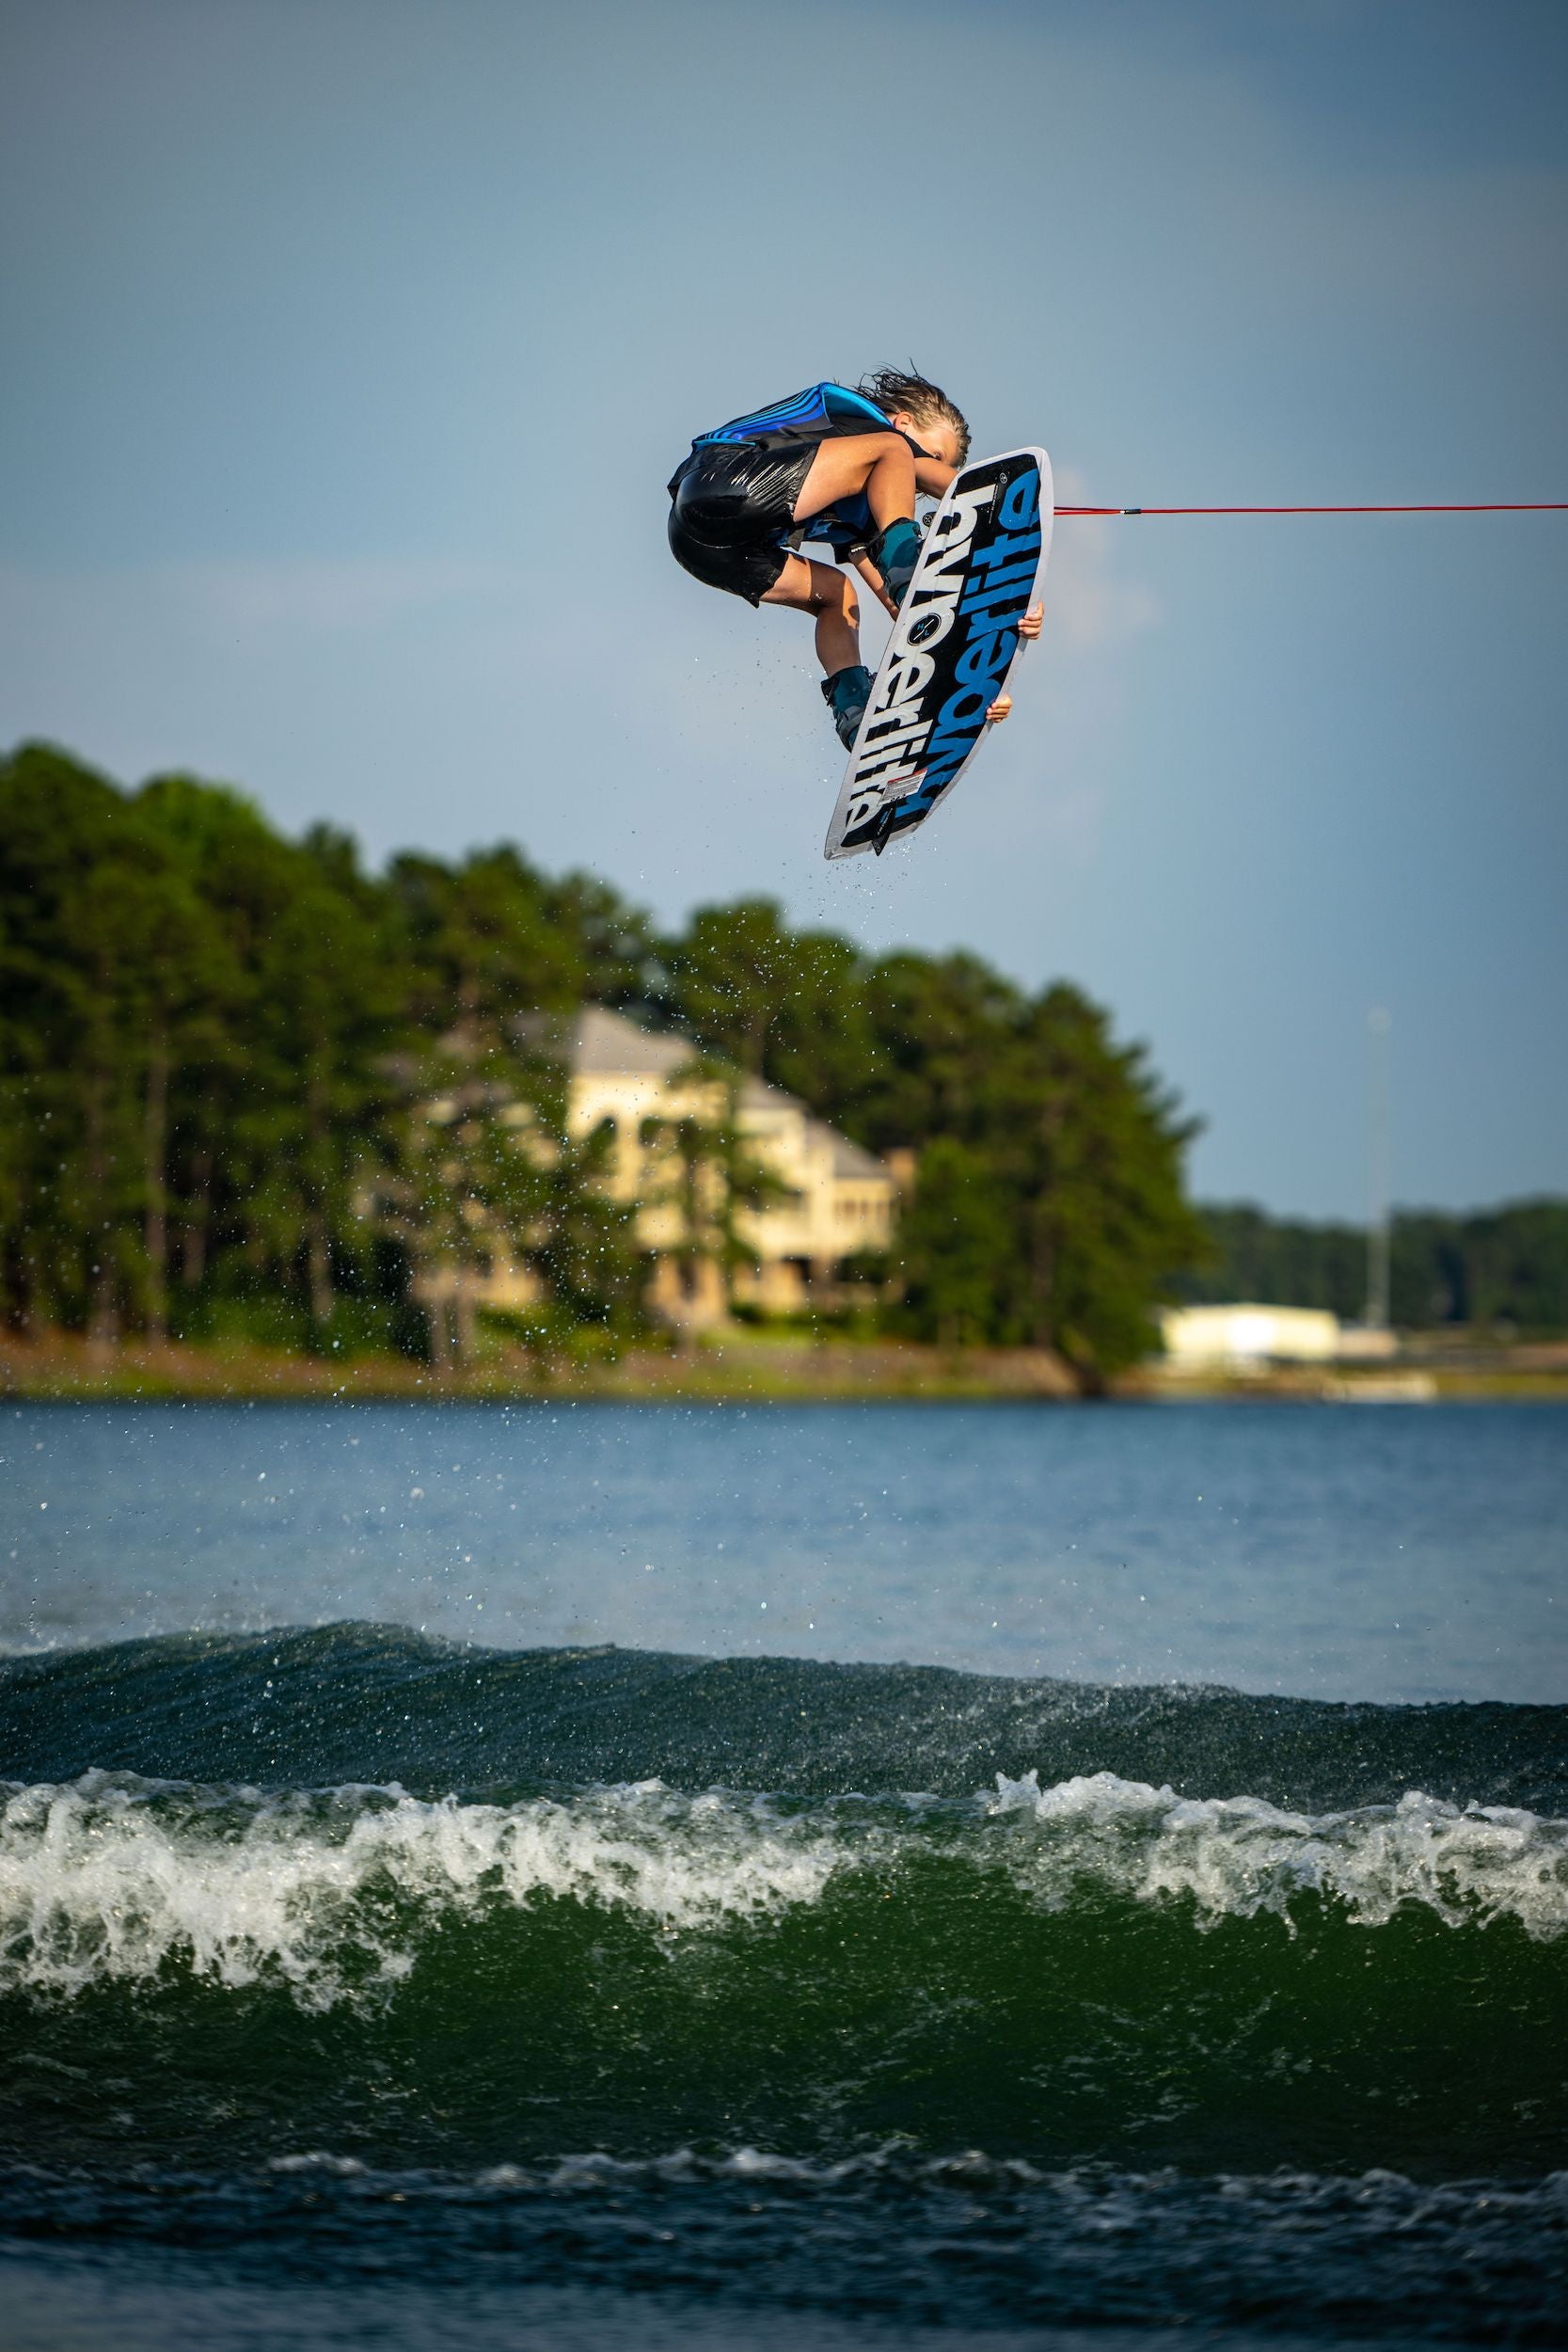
{"points": [[732, 508]]}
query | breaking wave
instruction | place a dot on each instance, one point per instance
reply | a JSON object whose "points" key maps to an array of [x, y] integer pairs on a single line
{"points": [[377, 1703], [873, 1989], [336, 1892]]}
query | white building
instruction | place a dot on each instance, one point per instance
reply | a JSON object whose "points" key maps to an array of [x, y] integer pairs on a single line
{"points": [[1241, 1336], [832, 1198]]}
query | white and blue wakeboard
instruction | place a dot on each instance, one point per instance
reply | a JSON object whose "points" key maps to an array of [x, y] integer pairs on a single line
{"points": [[951, 650]]}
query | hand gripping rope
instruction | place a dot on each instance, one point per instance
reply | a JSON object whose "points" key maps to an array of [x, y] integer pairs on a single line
{"points": [[1537, 506]]}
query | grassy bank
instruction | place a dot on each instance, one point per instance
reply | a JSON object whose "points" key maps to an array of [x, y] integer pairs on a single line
{"points": [[730, 1367], [733, 1366]]}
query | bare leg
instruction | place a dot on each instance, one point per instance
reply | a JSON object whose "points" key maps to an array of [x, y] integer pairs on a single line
{"points": [[881, 464], [830, 595]]}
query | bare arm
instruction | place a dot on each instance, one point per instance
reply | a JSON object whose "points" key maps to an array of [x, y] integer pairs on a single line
{"points": [[933, 477]]}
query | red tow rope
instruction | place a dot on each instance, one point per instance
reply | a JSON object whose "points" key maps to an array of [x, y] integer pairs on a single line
{"points": [[1547, 506]]}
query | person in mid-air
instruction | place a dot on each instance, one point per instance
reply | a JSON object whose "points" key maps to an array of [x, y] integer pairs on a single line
{"points": [[832, 464]]}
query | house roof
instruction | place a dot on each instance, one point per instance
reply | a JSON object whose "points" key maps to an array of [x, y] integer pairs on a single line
{"points": [[849, 1160], [595, 1042], [758, 1095]]}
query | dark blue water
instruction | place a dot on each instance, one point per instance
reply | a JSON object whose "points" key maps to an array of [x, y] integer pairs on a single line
{"points": [[829, 1877]]}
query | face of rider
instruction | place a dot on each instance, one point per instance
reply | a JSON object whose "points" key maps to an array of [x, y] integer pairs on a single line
{"points": [[936, 435]]}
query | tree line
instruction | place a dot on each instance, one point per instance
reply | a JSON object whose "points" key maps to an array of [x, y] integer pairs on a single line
{"points": [[248, 1087], [1496, 1268]]}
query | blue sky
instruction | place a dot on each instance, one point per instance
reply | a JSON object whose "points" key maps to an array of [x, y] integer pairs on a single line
{"points": [[349, 344]]}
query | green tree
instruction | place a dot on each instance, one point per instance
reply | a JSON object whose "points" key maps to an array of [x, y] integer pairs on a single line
{"points": [[458, 1193], [956, 1248], [1507, 1265], [1057, 1164], [106, 953], [705, 1173], [284, 1102], [1091, 1147], [781, 1005], [489, 938], [218, 1047], [1278, 1262], [489, 1175], [938, 1026]]}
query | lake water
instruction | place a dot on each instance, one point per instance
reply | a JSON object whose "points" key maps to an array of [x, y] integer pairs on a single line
{"points": [[824, 1878], [1360, 1553]]}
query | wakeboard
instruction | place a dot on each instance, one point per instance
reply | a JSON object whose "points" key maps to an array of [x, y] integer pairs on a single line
{"points": [[951, 650]]}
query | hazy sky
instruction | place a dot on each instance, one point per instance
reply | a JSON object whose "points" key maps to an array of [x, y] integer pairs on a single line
{"points": [[348, 345]]}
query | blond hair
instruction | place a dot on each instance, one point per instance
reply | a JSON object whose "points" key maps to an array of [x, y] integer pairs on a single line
{"points": [[897, 388]]}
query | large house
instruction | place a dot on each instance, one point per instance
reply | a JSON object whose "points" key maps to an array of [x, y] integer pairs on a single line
{"points": [[823, 1200]]}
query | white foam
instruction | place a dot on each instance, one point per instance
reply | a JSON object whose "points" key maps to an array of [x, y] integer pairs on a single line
{"points": [[109, 1877], [1237, 1856], [115, 1877]]}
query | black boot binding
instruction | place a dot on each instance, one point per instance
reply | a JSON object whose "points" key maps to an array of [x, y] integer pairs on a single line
{"points": [[895, 552], [846, 693]]}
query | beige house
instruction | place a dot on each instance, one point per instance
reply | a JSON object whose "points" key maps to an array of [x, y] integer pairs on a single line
{"points": [[828, 1199]]}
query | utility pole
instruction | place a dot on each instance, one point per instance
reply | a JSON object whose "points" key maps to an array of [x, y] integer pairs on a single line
{"points": [[1379, 1023]]}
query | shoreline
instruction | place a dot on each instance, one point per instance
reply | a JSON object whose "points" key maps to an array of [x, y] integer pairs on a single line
{"points": [[732, 1369]]}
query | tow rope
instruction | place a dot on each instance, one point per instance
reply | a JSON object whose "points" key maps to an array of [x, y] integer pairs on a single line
{"points": [[1537, 506]]}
